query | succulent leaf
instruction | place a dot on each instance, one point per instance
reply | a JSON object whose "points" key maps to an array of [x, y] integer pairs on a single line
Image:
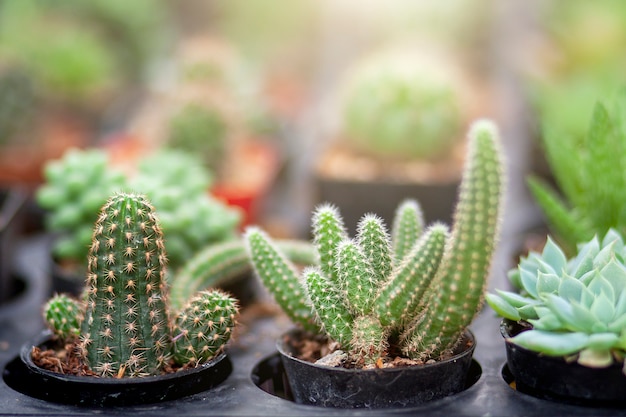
{"points": [[556, 344]]}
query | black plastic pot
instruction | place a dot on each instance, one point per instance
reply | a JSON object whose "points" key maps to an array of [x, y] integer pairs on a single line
{"points": [[23, 375], [553, 378], [401, 387]]}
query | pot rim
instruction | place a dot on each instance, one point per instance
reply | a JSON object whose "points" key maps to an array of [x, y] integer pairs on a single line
{"points": [[46, 335], [467, 334]]}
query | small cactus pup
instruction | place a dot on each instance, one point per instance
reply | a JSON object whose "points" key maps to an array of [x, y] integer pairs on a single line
{"points": [[412, 291], [124, 326]]}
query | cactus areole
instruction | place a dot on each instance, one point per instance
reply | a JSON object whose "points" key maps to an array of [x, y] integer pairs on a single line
{"points": [[126, 326]]}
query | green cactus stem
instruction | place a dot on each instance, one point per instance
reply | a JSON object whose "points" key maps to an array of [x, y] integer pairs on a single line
{"points": [[126, 327], [328, 230], [280, 276], [415, 290], [331, 313], [62, 315], [204, 326], [221, 263], [400, 299], [407, 226], [458, 289]]}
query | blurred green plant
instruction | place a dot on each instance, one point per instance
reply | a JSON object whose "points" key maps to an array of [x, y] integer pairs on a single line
{"points": [[399, 107], [17, 102], [80, 182], [590, 173], [77, 51], [200, 130]]}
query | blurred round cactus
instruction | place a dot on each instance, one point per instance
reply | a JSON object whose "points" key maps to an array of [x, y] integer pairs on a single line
{"points": [[400, 106], [200, 130]]}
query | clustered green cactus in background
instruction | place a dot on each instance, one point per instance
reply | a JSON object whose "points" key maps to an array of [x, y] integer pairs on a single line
{"points": [[77, 185], [589, 171], [126, 325], [200, 130], [416, 289], [404, 109], [576, 306]]}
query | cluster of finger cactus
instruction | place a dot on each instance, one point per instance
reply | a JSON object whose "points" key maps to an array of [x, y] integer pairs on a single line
{"points": [[576, 306], [416, 289], [127, 327]]}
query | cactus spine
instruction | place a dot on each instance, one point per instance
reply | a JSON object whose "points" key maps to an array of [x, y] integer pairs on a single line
{"points": [[417, 288], [126, 328]]}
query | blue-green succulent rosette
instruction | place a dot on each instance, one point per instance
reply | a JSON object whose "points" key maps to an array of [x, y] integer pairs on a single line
{"points": [[576, 306]]}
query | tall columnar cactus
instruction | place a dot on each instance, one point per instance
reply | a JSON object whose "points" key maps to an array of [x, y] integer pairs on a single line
{"points": [[127, 328], [416, 289], [459, 288], [126, 323]]}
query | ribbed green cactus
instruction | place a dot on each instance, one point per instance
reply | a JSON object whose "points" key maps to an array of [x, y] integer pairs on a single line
{"points": [[401, 107], [126, 327], [415, 289], [126, 323]]}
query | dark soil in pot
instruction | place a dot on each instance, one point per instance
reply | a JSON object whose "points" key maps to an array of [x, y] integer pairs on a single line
{"points": [[390, 386], [24, 375], [556, 379]]}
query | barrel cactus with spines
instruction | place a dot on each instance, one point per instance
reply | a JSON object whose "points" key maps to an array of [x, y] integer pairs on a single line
{"points": [[415, 289], [203, 326], [128, 327]]}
